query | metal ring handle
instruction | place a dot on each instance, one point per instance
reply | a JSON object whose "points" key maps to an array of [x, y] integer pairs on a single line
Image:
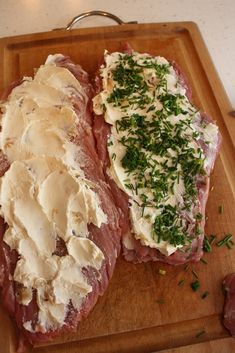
{"points": [[95, 13]]}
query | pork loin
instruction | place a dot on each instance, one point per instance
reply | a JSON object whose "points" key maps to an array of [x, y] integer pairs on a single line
{"points": [[229, 306], [104, 237], [115, 85]]}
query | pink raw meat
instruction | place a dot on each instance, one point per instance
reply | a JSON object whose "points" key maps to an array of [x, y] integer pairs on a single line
{"points": [[107, 237], [133, 250], [229, 307]]}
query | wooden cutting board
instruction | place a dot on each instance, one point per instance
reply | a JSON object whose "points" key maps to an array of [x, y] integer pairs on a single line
{"points": [[143, 311]]}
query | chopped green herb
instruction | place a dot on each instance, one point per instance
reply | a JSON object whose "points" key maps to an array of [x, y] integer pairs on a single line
{"points": [[151, 108], [167, 227], [200, 333], [227, 240], [171, 103], [198, 216], [207, 246], [195, 285], [229, 244], [204, 261], [181, 283], [158, 153], [205, 294], [212, 238], [221, 209], [195, 274], [161, 301]]}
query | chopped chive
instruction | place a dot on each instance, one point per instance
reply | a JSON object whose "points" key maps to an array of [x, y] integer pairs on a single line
{"points": [[212, 238], [225, 241], [181, 283], [195, 285], [201, 333], [229, 244], [199, 216], [195, 273], [152, 107], [204, 261], [144, 139], [207, 246], [161, 301], [162, 272], [221, 209], [205, 294]]}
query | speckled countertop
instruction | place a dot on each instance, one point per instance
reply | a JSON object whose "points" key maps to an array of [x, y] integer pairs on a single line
{"points": [[216, 20]]}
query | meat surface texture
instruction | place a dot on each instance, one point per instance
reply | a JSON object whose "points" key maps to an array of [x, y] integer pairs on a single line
{"points": [[133, 248], [229, 306], [106, 237]]}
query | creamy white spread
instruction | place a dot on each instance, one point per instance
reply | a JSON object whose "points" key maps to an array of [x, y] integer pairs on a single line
{"points": [[119, 83], [45, 196]]}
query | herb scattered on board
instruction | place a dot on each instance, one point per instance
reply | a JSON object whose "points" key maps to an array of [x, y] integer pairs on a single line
{"points": [[221, 209], [226, 241], [207, 246], [208, 242], [195, 273], [205, 295], [195, 285], [161, 301], [181, 283], [200, 333], [204, 261], [212, 238]]}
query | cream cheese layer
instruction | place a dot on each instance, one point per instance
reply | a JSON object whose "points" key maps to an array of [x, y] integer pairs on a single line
{"points": [[155, 133], [45, 198]]}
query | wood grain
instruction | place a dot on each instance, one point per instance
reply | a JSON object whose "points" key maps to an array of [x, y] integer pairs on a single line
{"points": [[226, 345], [129, 317]]}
